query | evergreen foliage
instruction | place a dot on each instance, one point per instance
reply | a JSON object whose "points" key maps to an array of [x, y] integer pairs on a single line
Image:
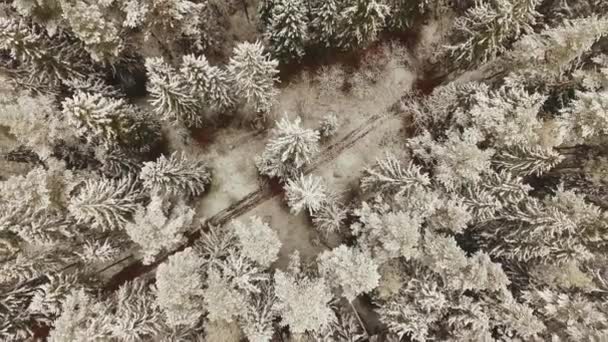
{"points": [[302, 302], [105, 204], [290, 148], [287, 32], [329, 126], [486, 29], [361, 22], [179, 285], [388, 175], [211, 83], [176, 175], [172, 97], [95, 116], [325, 22], [254, 74], [99, 33], [159, 226], [330, 217], [349, 269], [305, 193], [258, 241]]}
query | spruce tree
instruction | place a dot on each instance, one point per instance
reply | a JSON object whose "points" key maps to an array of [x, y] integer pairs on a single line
{"points": [[486, 30], [289, 149], [211, 84], [540, 59], [362, 21], [264, 13], [254, 74], [97, 117], [325, 22], [159, 226], [258, 241], [305, 193], [172, 97], [179, 288], [302, 302], [176, 175], [95, 28], [350, 270], [288, 30], [105, 204], [44, 62]]}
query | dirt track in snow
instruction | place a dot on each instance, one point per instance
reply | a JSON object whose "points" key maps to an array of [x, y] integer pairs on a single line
{"points": [[133, 269]]}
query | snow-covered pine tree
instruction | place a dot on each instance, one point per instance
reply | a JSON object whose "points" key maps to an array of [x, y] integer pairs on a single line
{"points": [[172, 97], [243, 274], [49, 296], [98, 251], [166, 19], [129, 315], [179, 288], [44, 62], [329, 125], [487, 29], [386, 234], [586, 118], [452, 215], [222, 300], [542, 230], [350, 270], [105, 204], [264, 13], [325, 22], [446, 106], [33, 205], [136, 315], [302, 302], [331, 216], [96, 117], [571, 314], [82, 318], [46, 13], [176, 175], [305, 193], [20, 40], [212, 84], [458, 160], [258, 241], [405, 12], [35, 123], [95, 27], [290, 148], [508, 116], [539, 59], [390, 176], [257, 321], [288, 30], [361, 22], [253, 74], [525, 161], [159, 226]]}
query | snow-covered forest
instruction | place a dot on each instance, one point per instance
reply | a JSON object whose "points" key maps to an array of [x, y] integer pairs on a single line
{"points": [[303, 170]]}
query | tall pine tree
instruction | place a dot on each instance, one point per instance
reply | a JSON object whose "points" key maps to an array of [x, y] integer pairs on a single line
{"points": [[288, 30], [362, 21]]}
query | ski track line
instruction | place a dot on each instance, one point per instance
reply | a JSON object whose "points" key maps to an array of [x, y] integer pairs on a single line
{"points": [[247, 203]]}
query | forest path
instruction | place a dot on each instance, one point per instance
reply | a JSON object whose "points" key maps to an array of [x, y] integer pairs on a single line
{"points": [[131, 267], [372, 91]]}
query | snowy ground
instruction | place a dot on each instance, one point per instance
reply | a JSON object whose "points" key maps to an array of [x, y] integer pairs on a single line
{"points": [[360, 98]]}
